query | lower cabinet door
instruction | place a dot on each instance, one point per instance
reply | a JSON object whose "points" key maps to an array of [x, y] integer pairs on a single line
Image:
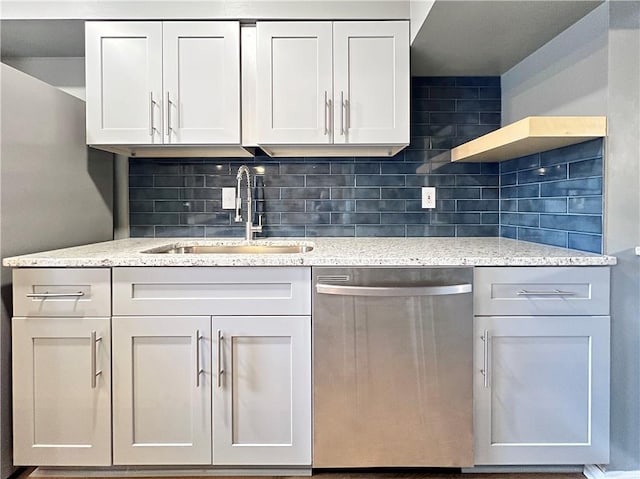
{"points": [[61, 391], [162, 390], [262, 390], [541, 390]]}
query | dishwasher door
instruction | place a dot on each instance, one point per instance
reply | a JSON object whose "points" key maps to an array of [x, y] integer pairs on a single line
{"points": [[392, 366]]}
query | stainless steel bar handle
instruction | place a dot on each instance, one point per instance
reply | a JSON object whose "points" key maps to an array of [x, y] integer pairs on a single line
{"points": [[94, 360], [555, 292], [199, 370], [220, 370], [342, 113], [168, 118], [393, 290], [485, 357], [347, 115], [151, 103], [45, 295], [326, 116]]}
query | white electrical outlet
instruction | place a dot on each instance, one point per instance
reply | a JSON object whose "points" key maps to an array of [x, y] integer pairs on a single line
{"points": [[228, 198], [428, 197]]}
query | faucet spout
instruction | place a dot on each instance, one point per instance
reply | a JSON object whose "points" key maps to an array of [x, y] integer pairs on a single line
{"points": [[250, 228]]}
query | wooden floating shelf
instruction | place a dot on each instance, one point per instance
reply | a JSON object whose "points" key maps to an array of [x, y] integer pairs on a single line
{"points": [[531, 135]]}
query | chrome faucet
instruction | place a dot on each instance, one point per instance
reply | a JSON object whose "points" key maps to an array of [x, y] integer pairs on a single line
{"points": [[250, 228]]}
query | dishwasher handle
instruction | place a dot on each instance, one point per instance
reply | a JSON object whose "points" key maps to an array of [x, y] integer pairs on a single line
{"points": [[443, 290]]}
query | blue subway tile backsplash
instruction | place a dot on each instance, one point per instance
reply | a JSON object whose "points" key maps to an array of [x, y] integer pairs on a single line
{"points": [[553, 197]]}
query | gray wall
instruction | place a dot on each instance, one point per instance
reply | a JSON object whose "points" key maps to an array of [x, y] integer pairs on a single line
{"points": [[567, 76], [594, 68], [54, 192]]}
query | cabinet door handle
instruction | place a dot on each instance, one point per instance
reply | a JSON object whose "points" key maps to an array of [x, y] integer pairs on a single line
{"points": [[347, 115], [220, 370], [45, 295], [342, 113], [326, 116], [199, 369], [554, 292], [485, 357], [168, 118], [94, 350], [151, 103]]}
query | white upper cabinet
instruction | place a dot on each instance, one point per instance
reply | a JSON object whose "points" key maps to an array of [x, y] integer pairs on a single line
{"points": [[124, 82], [371, 82], [152, 83], [333, 83]]}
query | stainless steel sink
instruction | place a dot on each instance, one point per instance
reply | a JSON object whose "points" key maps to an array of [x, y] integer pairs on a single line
{"points": [[233, 249]]}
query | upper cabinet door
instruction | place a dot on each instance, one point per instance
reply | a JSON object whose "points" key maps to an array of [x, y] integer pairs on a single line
{"points": [[201, 82], [371, 82], [124, 82], [294, 88]]}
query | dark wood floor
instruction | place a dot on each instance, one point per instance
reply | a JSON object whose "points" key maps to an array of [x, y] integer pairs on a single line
{"points": [[437, 474]]}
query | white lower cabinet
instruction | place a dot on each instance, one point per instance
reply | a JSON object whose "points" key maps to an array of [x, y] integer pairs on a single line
{"points": [[161, 390], [262, 390], [61, 391]]}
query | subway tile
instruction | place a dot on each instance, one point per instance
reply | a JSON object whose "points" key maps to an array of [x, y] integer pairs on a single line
{"points": [[305, 218], [490, 193], [330, 180], [477, 205], [404, 168], [219, 218], [355, 193], [584, 242], [461, 193], [355, 218], [578, 223], [490, 118], [549, 237], [141, 206], [524, 191], [421, 104], [431, 180], [490, 92], [224, 231], [543, 205], [577, 187], [423, 156], [422, 116], [419, 91], [581, 151], [379, 205], [141, 181], [479, 106], [471, 118], [477, 180], [400, 193], [455, 218], [212, 205], [331, 205], [542, 174], [179, 206], [355, 168], [285, 206], [509, 205], [477, 231], [522, 163], [433, 81], [440, 143], [273, 193], [141, 219], [485, 81], [430, 230], [453, 92], [509, 232], [443, 205], [321, 193], [490, 168], [405, 218], [287, 181], [179, 231], [457, 168], [211, 181], [304, 169], [147, 167], [380, 231], [586, 168], [475, 131], [380, 180], [420, 143], [508, 179], [285, 231], [153, 194], [520, 219], [211, 168], [330, 230], [586, 205], [201, 193], [490, 218], [141, 231]]}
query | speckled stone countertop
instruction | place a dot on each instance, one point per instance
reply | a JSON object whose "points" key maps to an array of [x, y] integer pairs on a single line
{"points": [[326, 252]]}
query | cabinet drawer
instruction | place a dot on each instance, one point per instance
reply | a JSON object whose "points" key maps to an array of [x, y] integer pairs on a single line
{"points": [[62, 292], [211, 291], [537, 291]]}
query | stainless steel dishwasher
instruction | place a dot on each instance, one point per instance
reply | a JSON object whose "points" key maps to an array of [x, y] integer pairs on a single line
{"points": [[392, 366]]}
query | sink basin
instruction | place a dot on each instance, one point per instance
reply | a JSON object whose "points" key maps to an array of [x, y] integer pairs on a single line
{"points": [[233, 249]]}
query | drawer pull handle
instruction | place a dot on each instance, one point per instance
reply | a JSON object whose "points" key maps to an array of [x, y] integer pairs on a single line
{"points": [[485, 357], [220, 370], [45, 295], [94, 360], [199, 369], [555, 292]]}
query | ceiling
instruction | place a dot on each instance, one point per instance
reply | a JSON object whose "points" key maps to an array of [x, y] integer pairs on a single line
{"points": [[459, 37]]}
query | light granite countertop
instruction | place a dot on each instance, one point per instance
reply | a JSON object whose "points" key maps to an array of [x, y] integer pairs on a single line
{"points": [[326, 252]]}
